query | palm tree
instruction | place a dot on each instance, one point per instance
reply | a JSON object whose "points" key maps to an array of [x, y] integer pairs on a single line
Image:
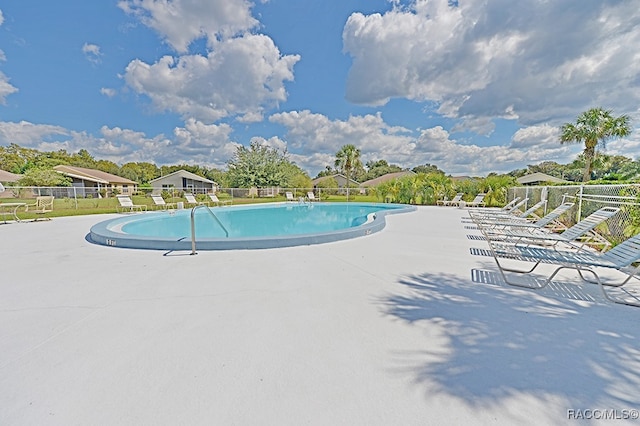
{"points": [[348, 159], [592, 127]]}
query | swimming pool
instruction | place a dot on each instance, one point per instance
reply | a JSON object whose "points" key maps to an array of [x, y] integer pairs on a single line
{"points": [[254, 226]]}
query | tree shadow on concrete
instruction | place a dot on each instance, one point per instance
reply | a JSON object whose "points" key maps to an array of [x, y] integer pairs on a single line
{"points": [[494, 343]]}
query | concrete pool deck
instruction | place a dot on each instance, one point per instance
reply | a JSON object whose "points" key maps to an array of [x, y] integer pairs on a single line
{"points": [[404, 326]]}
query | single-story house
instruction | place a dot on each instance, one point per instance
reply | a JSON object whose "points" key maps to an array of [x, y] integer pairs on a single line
{"points": [[91, 182], [538, 179], [340, 179], [183, 180], [385, 178]]}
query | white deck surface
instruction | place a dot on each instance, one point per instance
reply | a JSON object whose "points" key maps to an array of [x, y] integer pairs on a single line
{"points": [[402, 327]]}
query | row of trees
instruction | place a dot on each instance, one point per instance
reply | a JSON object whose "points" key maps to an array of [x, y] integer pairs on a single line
{"points": [[262, 166], [256, 165]]}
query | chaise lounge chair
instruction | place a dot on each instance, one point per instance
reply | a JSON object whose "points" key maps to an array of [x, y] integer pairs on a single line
{"points": [[127, 205], [191, 200], [531, 210], [574, 237], [623, 258], [455, 201], [505, 212], [520, 222], [478, 201], [215, 199], [159, 203], [312, 197], [289, 196]]}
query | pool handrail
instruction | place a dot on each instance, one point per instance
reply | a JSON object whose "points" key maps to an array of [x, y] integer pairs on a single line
{"points": [[193, 225]]}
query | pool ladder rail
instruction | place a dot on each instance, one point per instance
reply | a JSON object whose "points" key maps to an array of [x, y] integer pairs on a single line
{"points": [[193, 225]]}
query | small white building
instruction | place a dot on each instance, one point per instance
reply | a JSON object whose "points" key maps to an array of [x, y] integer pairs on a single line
{"points": [[185, 181]]}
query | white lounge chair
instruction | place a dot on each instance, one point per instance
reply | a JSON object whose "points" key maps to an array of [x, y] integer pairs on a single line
{"points": [[574, 237], [452, 202], [522, 214], [520, 222], [127, 205], [289, 196], [623, 258], [312, 197], [215, 199], [159, 202], [478, 201], [506, 211], [531, 210], [191, 200]]}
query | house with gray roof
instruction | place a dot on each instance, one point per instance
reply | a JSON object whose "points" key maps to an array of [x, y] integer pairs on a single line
{"points": [[185, 181]]}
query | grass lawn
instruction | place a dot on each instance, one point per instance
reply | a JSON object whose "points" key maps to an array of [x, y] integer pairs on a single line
{"points": [[85, 206]]}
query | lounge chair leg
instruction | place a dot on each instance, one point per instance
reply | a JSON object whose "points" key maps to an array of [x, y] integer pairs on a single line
{"points": [[611, 299]]}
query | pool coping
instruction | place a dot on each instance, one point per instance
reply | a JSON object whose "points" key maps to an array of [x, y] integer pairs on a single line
{"points": [[103, 235]]}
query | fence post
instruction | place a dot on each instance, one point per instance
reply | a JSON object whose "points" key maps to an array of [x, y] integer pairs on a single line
{"points": [[580, 203]]}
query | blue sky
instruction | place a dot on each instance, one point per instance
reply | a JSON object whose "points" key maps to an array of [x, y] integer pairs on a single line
{"points": [[472, 87]]}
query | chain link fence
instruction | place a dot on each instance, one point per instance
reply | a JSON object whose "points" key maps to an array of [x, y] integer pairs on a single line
{"points": [[588, 199], [96, 200]]}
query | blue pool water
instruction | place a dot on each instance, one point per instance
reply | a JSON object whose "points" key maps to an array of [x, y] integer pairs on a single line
{"points": [[252, 226]]}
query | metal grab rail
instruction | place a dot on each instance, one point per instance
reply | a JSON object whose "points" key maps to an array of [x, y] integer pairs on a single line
{"points": [[193, 226]]}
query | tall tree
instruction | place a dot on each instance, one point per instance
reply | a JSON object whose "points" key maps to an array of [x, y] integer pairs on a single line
{"points": [[348, 159], [261, 166], [594, 127]]}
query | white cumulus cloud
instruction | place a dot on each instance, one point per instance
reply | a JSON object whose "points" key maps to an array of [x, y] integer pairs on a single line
{"points": [[179, 22], [243, 76], [529, 60]]}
